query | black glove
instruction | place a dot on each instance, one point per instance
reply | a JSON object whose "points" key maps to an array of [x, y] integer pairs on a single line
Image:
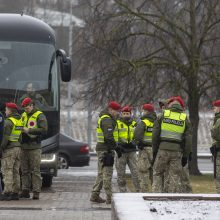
{"points": [[25, 138], [184, 161], [118, 151], [133, 144], [190, 156], [140, 146], [213, 150]]}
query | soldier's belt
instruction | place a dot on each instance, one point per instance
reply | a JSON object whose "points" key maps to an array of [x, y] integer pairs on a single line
{"points": [[171, 141]]}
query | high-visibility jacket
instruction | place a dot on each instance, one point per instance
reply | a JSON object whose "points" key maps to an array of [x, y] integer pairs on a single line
{"points": [[173, 126], [147, 139], [31, 122], [16, 130], [125, 132], [99, 132]]}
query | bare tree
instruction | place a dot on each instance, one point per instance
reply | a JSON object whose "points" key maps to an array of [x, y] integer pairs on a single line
{"points": [[130, 45]]}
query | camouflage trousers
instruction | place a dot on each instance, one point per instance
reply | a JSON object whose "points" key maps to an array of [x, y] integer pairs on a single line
{"points": [[10, 169], [130, 159], [217, 179], [145, 158], [30, 169], [185, 181], [104, 177], [167, 163]]}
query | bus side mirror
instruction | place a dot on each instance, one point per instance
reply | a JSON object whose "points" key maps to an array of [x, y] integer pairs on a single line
{"points": [[65, 66]]}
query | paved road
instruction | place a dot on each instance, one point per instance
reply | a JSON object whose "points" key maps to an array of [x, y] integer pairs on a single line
{"points": [[205, 166], [67, 199]]}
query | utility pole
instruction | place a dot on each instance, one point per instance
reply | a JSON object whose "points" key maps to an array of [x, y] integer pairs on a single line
{"points": [[69, 100], [89, 124]]}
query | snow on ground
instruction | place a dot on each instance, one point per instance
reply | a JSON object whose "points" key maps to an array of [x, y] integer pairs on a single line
{"points": [[189, 209]]}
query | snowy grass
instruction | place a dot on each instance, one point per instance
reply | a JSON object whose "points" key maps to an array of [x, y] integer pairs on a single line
{"points": [[203, 184], [200, 184]]}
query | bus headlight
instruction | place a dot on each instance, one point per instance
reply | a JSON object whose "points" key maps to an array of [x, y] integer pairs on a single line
{"points": [[48, 158]]}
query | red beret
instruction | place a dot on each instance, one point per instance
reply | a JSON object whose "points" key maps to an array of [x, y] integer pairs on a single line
{"points": [[114, 105], [148, 107], [11, 105], [216, 103], [126, 109], [26, 101], [178, 99]]}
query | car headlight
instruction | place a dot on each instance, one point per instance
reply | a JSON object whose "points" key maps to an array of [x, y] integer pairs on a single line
{"points": [[48, 158]]}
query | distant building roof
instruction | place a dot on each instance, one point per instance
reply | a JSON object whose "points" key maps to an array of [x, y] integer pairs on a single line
{"points": [[57, 18]]}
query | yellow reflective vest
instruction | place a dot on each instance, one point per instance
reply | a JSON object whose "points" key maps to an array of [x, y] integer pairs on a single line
{"points": [[147, 139], [30, 122], [99, 132], [173, 126], [16, 130], [125, 132]]}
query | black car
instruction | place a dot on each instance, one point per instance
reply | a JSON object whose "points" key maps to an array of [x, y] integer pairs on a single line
{"points": [[72, 153]]}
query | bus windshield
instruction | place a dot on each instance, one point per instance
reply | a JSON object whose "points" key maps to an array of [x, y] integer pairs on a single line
{"points": [[29, 69]]}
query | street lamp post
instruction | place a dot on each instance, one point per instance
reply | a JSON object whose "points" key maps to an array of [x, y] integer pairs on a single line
{"points": [[69, 98]]}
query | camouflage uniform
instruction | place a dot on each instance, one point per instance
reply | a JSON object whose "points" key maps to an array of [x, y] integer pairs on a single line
{"points": [[217, 179], [145, 156], [129, 157], [1, 126], [31, 153], [145, 159], [215, 132], [10, 158], [104, 176], [169, 155], [185, 185]]}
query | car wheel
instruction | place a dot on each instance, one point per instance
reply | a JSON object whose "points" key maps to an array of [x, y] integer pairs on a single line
{"points": [[63, 162]]}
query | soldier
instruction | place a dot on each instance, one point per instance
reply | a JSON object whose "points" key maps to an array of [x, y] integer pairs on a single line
{"points": [[35, 126], [185, 180], [163, 106], [31, 89], [127, 146], [11, 153], [107, 137], [170, 130], [215, 149], [143, 138], [2, 108]]}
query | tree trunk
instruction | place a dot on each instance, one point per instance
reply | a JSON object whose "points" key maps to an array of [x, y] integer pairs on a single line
{"points": [[193, 104]]}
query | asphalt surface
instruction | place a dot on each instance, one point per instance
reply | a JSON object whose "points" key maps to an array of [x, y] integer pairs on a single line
{"points": [[68, 198]]}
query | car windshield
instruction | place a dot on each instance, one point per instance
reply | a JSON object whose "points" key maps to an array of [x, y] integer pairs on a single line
{"points": [[29, 69]]}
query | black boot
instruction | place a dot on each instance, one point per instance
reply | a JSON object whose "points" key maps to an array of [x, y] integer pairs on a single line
{"points": [[14, 196], [5, 197], [36, 195], [25, 194]]}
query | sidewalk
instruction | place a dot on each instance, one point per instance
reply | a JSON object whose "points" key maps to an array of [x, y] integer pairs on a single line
{"points": [[67, 199]]}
